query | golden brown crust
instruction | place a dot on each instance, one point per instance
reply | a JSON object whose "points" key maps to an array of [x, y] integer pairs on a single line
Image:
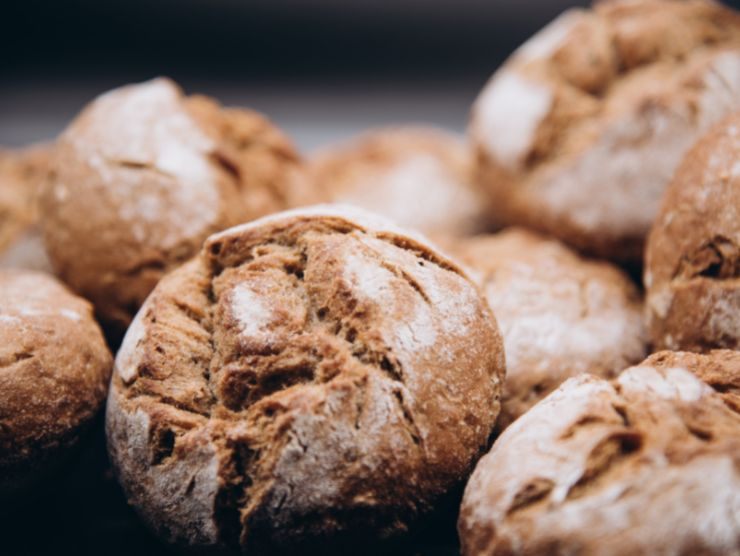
{"points": [[692, 265], [22, 173], [142, 176], [612, 468], [580, 131], [720, 369], [314, 374], [560, 315], [54, 371], [420, 177]]}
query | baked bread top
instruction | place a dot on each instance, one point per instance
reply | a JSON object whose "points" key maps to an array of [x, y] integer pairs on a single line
{"points": [[692, 262], [143, 175], [54, 372], [582, 128], [560, 314], [419, 177], [313, 374], [645, 464]]}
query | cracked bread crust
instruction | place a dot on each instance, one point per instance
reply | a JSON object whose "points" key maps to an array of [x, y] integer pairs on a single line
{"points": [[560, 315], [22, 173], [579, 133], [692, 264], [143, 175], [648, 463], [720, 369], [420, 177], [54, 373], [316, 374]]}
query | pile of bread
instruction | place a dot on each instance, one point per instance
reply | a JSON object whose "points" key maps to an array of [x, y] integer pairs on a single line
{"points": [[300, 366]]}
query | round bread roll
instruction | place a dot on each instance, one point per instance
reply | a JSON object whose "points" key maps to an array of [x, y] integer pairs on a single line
{"points": [[646, 464], [143, 175], [580, 131], [54, 372], [22, 173], [419, 177], [560, 315], [692, 262], [314, 375]]}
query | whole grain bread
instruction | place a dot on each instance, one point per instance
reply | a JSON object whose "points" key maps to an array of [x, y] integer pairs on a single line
{"points": [[580, 131], [560, 314], [143, 175], [54, 372], [692, 263], [315, 375], [648, 463]]}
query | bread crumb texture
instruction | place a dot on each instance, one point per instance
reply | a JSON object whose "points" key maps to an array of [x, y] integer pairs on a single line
{"points": [[313, 374], [580, 131], [648, 463], [692, 268]]}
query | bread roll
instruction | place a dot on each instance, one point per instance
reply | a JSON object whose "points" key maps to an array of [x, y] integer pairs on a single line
{"points": [[419, 177], [143, 175], [560, 314], [316, 375], [648, 463], [692, 267], [580, 131], [22, 173], [54, 372]]}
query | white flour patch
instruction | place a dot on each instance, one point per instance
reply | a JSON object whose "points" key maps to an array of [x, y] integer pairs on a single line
{"points": [[253, 315], [508, 114]]}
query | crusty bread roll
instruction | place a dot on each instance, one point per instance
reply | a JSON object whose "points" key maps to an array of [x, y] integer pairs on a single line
{"points": [[560, 315], [692, 268], [646, 464], [143, 175], [22, 173], [314, 375], [580, 131], [420, 177], [54, 371]]}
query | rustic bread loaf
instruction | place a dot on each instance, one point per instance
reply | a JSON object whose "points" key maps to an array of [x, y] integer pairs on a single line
{"points": [[692, 268], [316, 374], [648, 463], [54, 372], [22, 173], [419, 177], [559, 314], [580, 131], [143, 175]]}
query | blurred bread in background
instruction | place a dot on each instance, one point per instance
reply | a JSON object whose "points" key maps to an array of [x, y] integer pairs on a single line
{"points": [[692, 269], [143, 175], [579, 132], [22, 172], [420, 177], [560, 314]]}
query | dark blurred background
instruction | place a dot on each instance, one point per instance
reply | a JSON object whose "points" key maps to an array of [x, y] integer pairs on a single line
{"points": [[322, 69]]}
